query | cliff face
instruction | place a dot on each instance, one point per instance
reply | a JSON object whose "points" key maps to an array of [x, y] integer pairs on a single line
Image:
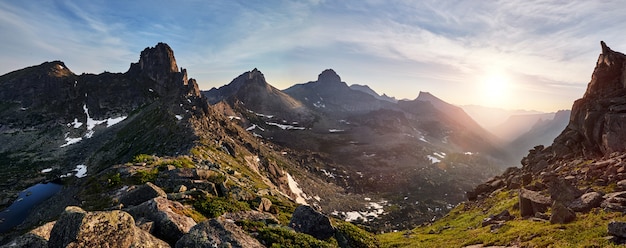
{"points": [[596, 124]]}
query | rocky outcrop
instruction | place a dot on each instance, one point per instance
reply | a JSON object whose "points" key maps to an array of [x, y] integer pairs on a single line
{"points": [[169, 224], [78, 228], [218, 232], [37, 238], [307, 220], [532, 202], [595, 127], [141, 194]]}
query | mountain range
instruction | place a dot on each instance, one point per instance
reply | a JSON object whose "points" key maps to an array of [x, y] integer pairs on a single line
{"points": [[348, 152]]}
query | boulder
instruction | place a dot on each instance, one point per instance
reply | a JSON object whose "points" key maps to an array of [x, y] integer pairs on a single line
{"points": [[307, 220], [586, 202], [617, 228], [615, 201], [561, 214], [531, 202], [180, 188], [77, 228], [262, 204], [560, 190], [217, 232], [498, 219], [169, 224], [37, 237], [141, 194], [30, 240]]}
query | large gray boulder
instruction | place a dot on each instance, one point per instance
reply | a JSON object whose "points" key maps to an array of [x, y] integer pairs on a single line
{"points": [[586, 202], [141, 194], [37, 237], [168, 225], [217, 232], [78, 228], [307, 220], [531, 202]]}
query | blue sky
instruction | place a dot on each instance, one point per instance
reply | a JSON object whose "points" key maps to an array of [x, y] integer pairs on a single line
{"points": [[510, 54]]}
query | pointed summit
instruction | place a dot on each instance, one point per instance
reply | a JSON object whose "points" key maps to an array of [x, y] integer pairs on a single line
{"points": [[596, 124], [159, 58], [328, 76]]}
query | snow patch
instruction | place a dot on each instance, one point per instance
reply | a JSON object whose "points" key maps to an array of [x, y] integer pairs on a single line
{"points": [[440, 154], [113, 121], [254, 126], [179, 117], [374, 210], [81, 171], [468, 153], [70, 140], [151, 90], [76, 123], [295, 188], [266, 116], [284, 127], [234, 117], [433, 159], [422, 138], [335, 130], [319, 104], [327, 173], [46, 170]]}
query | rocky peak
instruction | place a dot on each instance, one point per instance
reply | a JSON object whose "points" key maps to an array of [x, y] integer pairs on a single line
{"points": [[608, 76], [596, 122], [57, 69], [255, 76], [328, 76], [158, 58], [158, 64]]}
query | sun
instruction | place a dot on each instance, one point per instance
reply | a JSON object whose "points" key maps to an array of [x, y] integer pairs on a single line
{"points": [[495, 89]]}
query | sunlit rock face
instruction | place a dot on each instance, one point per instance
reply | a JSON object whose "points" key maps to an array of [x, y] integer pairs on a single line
{"points": [[595, 127]]}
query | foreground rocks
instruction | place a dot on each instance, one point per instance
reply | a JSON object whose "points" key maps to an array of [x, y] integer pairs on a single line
{"points": [[141, 194], [307, 220], [78, 228], [169, 224], [218, 232]]}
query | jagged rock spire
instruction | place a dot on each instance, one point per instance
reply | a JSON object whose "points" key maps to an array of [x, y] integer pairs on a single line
{"points": [[328, 76], [597, 125]]}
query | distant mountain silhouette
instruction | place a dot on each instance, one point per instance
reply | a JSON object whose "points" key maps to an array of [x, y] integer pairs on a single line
{"points": [[368, 90]]}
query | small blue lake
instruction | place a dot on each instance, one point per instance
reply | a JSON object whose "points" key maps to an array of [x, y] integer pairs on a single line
{"points": [[27, 199]]}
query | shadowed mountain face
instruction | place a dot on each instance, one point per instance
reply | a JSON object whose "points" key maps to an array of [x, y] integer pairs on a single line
{"points": [[330, 95], [368, 90], [252, 92], [51, 117]]}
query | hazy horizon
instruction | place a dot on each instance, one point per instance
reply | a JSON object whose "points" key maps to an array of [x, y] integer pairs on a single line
{"points": [[535, 55]]}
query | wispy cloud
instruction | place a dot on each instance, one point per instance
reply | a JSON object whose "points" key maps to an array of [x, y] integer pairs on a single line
{"points": [[547, 48]]}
